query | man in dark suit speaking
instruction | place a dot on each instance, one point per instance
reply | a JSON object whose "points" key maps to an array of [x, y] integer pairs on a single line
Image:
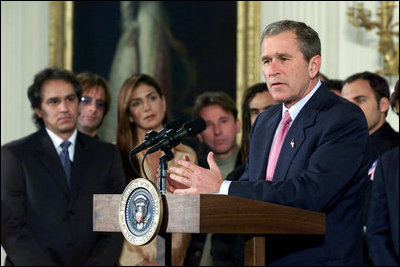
{"points": [[309, 152], [48, 180]]}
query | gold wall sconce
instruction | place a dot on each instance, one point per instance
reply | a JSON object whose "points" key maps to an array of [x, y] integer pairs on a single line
{"points": [[360, 17]]}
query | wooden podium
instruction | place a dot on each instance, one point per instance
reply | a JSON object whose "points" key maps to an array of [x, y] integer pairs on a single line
{"points": [[211, 213]]}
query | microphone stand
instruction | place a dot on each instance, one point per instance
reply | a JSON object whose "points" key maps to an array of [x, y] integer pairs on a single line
{"points": [[162, 170]]}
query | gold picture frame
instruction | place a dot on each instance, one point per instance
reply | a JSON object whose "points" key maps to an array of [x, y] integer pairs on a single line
{"points": [[248, 49], [61, 34]]}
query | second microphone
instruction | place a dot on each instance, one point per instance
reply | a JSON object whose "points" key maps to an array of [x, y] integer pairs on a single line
{"points": [[172, 138]]}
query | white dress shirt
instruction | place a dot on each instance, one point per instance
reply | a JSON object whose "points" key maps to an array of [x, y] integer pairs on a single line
{"points": [[57, 142]]}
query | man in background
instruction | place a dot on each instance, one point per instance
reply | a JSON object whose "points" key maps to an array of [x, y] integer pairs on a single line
{"points": [[222, 126], [48, 180], [383, 217], [256, 99], [371, 93], [95, 103]]}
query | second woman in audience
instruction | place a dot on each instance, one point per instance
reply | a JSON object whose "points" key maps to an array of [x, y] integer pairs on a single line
{"points": [[142, 107]]}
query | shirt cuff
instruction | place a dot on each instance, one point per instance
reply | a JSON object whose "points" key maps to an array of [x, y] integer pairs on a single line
{"points": [[224, 189]]}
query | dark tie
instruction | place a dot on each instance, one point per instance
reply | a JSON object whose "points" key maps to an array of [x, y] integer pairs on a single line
{"points": [[276, 146], [64, 155]]}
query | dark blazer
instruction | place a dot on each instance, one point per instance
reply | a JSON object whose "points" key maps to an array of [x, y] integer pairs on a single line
{"points": [[383, 216], [325, 170], [43, 222], [384, 139]]}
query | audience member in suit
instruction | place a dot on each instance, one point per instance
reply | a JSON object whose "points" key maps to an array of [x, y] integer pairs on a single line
{"points": [[322, 162], [383, 216], [371, 93], [219, 111], [142, 108], [95, 103], [46, 218]]}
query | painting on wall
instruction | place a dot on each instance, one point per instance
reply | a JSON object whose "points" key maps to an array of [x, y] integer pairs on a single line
{"points": [[189, 47]]}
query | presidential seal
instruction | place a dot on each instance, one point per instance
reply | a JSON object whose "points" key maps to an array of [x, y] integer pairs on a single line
{"points": [[140, 211]]}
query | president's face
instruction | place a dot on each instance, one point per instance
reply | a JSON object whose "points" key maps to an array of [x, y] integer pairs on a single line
{"points": [[288, 75], [59, 107]]}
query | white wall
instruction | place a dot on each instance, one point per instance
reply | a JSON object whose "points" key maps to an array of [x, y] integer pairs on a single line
{"points": [[24, 52], [346, 49]]}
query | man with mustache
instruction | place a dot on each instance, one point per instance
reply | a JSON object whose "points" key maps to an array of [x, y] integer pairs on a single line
{"points": [[48, 180], [308, 152]]}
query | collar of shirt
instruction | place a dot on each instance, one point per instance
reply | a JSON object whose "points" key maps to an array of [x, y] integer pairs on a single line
{"points": [[296, 108], [57, 142]]}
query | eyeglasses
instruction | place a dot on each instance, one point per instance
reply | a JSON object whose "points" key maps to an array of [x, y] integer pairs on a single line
{"points": [[87, 101]]}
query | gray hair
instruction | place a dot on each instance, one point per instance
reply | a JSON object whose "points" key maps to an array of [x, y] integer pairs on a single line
{"points": [[308, 40]]}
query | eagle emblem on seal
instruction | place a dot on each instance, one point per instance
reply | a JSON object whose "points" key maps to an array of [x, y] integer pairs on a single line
{"points": [[140, 214]]}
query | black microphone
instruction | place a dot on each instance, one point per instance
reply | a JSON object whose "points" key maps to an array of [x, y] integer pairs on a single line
{"points": [[152, 137], [172, 138]]}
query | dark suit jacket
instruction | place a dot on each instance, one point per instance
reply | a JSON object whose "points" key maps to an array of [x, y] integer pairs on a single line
{"points": [[324, 171], [42, 221], [383, 216], [384, 139]]}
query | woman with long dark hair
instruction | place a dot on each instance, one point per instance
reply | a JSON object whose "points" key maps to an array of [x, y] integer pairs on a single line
{"points": [[141, 108]]}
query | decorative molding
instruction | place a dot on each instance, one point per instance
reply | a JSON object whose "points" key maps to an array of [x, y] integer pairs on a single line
{"points": [[248, 48], [61, 34]]}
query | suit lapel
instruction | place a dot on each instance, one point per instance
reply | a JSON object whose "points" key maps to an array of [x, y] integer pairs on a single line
{"points": [[296, 134], [48, 156], [293, 141]]}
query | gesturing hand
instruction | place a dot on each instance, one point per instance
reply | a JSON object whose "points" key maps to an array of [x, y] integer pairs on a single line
{"points": [[198, 180]]}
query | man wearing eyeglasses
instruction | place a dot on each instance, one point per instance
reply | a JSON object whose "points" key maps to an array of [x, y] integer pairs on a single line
{"points": [[95, 102]]}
